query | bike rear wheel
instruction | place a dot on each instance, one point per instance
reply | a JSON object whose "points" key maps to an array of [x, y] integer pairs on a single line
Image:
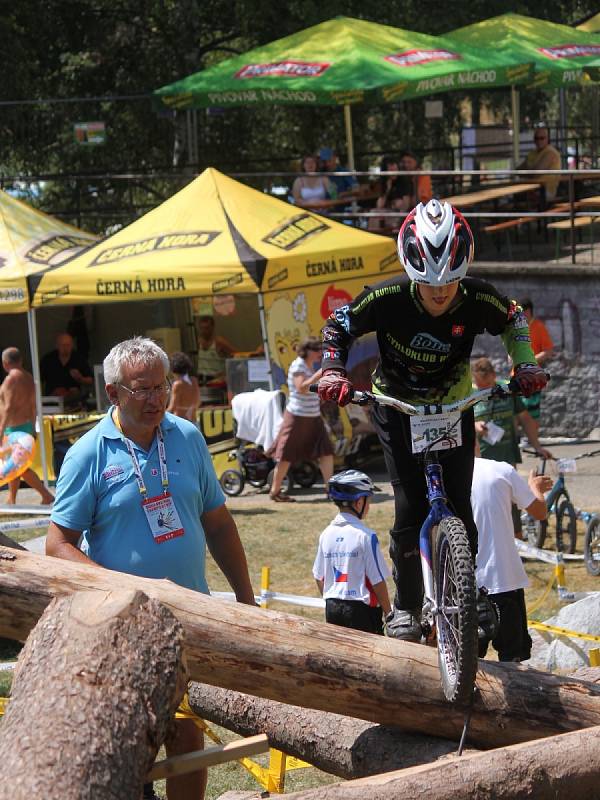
{"points": [[456, 600], [591, 546], [566, 527], [534, 530]]}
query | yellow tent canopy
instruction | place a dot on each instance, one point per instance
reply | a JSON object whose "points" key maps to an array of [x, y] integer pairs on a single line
{"points": [[216, 236], [31, 242], [591, 25]]}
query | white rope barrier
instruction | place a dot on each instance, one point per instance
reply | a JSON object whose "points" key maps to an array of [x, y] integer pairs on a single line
{"points": [[24, 524]]}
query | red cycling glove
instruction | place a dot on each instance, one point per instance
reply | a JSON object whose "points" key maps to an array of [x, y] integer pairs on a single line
{"points": [[530, 379], [335, 386]]}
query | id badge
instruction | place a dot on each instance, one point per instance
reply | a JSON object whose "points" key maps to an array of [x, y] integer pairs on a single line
{"points": [[162, 517], [425, 430]]}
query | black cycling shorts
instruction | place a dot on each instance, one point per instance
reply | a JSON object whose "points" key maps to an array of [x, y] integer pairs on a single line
{"points": [[354, 614]]}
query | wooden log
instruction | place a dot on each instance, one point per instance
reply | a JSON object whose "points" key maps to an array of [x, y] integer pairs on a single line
{"points": [[315, 665], [558, 768], [342, 746], [95, 689]]}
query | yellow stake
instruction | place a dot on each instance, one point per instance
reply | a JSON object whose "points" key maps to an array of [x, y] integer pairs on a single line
{"points": [[265, 583]]}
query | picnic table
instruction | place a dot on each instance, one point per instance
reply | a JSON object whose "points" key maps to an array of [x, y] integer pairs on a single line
{"points": [[487, 195]]}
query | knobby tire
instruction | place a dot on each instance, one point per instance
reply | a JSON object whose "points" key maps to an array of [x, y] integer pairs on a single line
{"points": [[456, 588], [591, 547], [566, 526]]}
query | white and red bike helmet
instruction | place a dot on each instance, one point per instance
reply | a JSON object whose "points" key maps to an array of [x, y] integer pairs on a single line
{"points": [[435, 244]]}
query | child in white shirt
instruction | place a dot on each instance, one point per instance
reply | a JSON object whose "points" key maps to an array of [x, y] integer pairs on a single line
{"points": [[349, 567]]}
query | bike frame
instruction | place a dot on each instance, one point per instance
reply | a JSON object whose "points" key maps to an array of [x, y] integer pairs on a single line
{"points": [[436, 495]]}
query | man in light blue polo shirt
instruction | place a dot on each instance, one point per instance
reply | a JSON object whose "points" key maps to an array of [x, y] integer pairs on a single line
{"points": [[142, 490]]}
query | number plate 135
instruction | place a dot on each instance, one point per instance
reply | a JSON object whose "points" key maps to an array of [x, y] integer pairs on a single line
{"points": [[446, 428]]}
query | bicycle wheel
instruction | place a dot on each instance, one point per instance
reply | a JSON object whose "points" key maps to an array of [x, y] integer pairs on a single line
{"points": [[535, 530], [591, 546], [566, 527], [232, 482], [456, 600], [305, 474]]}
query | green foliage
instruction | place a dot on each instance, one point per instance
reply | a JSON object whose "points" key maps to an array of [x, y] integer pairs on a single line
{"points": [[122, 50]]}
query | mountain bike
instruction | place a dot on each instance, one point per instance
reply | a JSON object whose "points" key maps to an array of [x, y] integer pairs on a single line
{"points": [[591, 542], [558, 502], [447, 563]]}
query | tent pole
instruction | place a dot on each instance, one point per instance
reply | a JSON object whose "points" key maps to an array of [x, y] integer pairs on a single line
{"points": [[515, 111], [562, 116], [35, 367], [349, 138], [265, 338]]}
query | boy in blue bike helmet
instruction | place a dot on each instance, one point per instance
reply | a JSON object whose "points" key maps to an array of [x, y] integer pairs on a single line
{"points": [[349, 567]]}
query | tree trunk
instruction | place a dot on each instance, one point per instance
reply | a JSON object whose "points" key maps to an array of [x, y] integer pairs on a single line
{"points": [[559, 768], [95, 688], [342, 746], [315, 665]]}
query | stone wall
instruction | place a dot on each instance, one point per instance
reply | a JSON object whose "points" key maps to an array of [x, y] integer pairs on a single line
{"points": [[567, 298]]}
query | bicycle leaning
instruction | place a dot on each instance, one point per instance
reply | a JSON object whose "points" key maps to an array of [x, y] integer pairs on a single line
{"points": [[558, 502], [447, 563]]}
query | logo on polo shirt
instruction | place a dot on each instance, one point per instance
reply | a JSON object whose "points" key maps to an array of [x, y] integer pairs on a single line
{"points": [[112, 472]]}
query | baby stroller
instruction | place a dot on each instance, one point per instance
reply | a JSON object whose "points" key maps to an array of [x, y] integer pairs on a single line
{"points": [[256, 467]]}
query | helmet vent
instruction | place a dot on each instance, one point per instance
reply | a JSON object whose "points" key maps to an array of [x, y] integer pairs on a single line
{"points": [[436, 252]]}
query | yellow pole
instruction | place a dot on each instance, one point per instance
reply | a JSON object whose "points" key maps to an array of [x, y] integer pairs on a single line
{"points": [[559, 572], [594, 655], [265, 582], [276, 779]]}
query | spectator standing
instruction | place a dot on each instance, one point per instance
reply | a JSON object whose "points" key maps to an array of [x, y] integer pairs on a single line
{"points": [[137, 467], [422, 190], [349, 568], [302, 435], [545, 156], [212, 351], [64, 372], [309, 190], [543, 348], [496, 487], [185, 392], [496, 425], [17, 413]]}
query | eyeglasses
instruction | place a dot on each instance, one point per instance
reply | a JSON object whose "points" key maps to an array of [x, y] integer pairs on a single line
{"points": [[146, 394]]}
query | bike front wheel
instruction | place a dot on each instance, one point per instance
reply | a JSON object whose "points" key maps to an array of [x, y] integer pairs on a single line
{"points": [[456, 600], [566, 527], [591, 546]]}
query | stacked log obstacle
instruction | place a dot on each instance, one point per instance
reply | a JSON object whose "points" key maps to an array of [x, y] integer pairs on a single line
{"points": [[342, 746], [561, 767], [315, 665], [95, 689]]}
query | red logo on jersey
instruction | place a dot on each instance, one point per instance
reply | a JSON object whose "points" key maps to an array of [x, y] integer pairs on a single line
{"points": [[458, 330]]}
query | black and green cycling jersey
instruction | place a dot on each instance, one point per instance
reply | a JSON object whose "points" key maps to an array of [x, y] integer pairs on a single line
{"points": [[422, 358]]}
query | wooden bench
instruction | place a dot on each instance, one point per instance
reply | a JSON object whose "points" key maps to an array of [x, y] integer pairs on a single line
{"points": [[566, 224], [507, 226]]}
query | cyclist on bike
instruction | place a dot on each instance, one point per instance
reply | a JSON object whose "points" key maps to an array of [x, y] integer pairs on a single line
{"points": [[426, 322]]}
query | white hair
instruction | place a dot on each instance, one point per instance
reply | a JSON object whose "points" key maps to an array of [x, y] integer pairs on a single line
{"points": [[139, 351]]}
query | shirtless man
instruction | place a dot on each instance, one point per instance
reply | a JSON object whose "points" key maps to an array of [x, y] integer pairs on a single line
{"points": [[185, 392], [17, 413]]}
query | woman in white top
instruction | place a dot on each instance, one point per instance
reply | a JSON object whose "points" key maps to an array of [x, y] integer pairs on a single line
{"points": [[302, 436], [311, 190]]}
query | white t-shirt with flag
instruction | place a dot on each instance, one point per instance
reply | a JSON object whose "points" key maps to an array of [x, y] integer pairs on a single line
{"points": [[496, 485], [349, 560]]}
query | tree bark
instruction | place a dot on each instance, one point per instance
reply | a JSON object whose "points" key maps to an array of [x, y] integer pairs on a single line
{"points": [[315, 665], [342, 746], [96, 686], [559, 768]]}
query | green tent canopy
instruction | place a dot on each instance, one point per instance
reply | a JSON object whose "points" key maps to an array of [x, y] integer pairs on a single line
{"points": [[563, 56], [591, 25], [345, 61]]}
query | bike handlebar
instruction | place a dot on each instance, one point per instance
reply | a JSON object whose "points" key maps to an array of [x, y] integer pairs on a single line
{"points": [[370, 398]]}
